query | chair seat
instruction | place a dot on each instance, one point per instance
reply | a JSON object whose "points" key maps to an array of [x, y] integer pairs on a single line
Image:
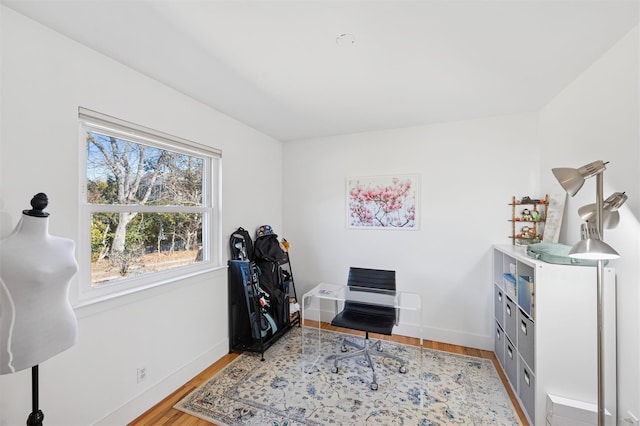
{"points": [[368, 317], [371, 323]]}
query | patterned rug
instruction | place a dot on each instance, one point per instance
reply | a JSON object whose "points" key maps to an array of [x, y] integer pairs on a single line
{"points": [[439, 388]]}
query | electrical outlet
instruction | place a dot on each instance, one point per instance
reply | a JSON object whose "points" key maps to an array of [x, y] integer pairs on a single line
{"points": [[142, 374]]}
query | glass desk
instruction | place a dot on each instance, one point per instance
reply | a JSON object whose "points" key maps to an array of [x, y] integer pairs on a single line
{"points": [[324, 301]]}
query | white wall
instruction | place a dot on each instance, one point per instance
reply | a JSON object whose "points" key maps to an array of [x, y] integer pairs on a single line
{"points": [[175, 331], [468, 173], [597, 118]]}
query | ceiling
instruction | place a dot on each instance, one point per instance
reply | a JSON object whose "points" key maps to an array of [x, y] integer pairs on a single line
{"points": [[279, 67]]}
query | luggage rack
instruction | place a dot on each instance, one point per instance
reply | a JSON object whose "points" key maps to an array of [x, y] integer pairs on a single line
{"points": [[251, 326], [290, 289], [263, 303]]}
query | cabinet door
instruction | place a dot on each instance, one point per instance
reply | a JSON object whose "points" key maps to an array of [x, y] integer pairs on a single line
{"points": [[527, 390], [511, 362], [510, 320], [499, 344], [498, 304], [526, 330]]}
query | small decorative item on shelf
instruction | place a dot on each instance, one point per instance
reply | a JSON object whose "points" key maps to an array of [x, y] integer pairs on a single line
{"points": [[528, 200], [534, 215], [529, 232]]}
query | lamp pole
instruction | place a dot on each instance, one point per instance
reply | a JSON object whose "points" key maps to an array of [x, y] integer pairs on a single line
{"points": [[593, 247], [599, 285]]}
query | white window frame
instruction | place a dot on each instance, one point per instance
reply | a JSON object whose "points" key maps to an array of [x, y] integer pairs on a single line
{"points": [[211, 212]]}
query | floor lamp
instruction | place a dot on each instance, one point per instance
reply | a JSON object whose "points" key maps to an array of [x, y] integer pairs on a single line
{"points": [[591, 246]]}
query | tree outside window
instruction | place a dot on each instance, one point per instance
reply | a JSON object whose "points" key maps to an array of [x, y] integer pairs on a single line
{"points": [[148, 204]]}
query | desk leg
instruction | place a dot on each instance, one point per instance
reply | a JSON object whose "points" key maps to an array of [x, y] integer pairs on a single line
{"points": [[310, 334], [421, 380]]}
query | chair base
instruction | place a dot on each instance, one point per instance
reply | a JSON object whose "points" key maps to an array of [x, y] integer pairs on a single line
{"points": [[365, 350]]}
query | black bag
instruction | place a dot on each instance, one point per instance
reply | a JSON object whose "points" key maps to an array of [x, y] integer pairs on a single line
{"points": [[268, 255], [241, 245], [271, 281], [268, 248]]}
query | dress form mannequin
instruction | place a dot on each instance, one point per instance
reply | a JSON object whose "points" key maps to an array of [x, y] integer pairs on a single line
{"points": [[36, 318]]}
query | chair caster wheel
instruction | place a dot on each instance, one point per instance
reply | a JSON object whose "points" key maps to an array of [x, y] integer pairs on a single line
{"points": [[402, 369], [334, 369], [343, 348], [374, 386]]}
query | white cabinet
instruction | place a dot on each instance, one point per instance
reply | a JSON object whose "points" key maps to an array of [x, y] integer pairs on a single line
{"points": [[545, 330]]}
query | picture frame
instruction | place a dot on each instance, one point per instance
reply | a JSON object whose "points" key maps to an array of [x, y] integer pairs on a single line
{"points": [[382, 202], [555, 212]]}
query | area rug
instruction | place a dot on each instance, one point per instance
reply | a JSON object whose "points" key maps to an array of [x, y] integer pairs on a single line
{"points": [[287, 388]]}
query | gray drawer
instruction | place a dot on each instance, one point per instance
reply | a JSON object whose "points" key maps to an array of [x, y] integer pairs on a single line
{"points": [[510, 319], [499, 344], [498, 304], [526, 329], [527, 391], [511, 362]]}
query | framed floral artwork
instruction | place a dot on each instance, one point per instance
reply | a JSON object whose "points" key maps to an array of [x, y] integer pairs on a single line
{"points": [[382, 202]]}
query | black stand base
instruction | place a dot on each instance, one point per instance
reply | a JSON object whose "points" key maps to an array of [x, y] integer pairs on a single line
{"points": [[35, 419]]}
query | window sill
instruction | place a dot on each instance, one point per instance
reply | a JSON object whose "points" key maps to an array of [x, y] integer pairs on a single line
{"points": [[92, 305]]}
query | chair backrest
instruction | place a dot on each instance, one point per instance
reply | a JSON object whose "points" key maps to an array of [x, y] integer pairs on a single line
{"points": [[372, 278]]}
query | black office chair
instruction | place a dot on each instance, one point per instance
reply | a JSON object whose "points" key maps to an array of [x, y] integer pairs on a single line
{"points": [[368, 318]]}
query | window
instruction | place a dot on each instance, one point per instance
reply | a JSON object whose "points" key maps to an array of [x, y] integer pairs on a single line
{"points": [[149, 210]]}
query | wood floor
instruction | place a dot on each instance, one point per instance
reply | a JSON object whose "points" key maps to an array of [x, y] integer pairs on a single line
{"points": [[164, 413]]}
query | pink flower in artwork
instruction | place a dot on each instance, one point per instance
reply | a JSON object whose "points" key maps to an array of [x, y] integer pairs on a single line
{"points": [[383, 205]]}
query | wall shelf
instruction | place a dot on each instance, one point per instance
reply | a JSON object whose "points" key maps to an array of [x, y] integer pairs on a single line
{"points": [[532, 224]]}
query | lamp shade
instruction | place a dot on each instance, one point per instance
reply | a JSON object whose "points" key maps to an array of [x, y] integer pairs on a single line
{"points": [[591, 247], [615, 201], [610, 214], [573, 179]]}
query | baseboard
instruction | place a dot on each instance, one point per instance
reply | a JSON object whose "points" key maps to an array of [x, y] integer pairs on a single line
{"points": [[436, 334], [454, 337], [446, 336], [156, 393]]}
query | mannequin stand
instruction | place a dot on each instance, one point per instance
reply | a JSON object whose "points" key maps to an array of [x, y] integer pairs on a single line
{"points": [[37, 416]]}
